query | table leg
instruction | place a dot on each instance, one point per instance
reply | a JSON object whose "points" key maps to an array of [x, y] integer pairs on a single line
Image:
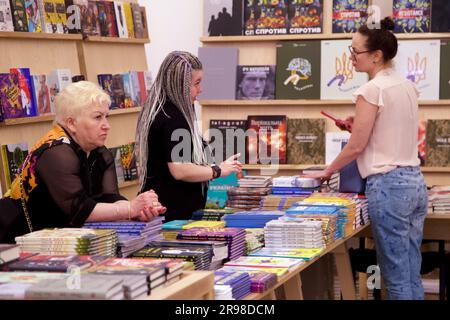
{"points": [[293, 288], [344, 271]]}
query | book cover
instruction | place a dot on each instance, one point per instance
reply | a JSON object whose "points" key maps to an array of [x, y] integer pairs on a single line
{"points": [[142, 86], [120, 19], [419, 61], [19, 14], [57, 81], [227, 137], [48, 14], [333, 144], [440, 13], [33, 16], [135, 88], [148, 81], [128, 101], [10, 96], [339, 79], [107, 19], [438, 143], [271, 17], [129, 19], [144, 22], [128, 161], [306, 141], [118, 91], [298, 70], [444, 88], [137, 21], [91, 26], [13, 155], [255, 83], [102, 19], [219, 66], [349, 15], [41, 94], [249, 22], [222, 17], [61, 16], [6, 23], [305, 17], [266, 141], [421, 141], [411, 16], [106, 82], [217, 191], [26, 91], [76, 15]]}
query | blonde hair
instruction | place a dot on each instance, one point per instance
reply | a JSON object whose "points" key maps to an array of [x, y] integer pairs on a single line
{"points": [[77, 97]]}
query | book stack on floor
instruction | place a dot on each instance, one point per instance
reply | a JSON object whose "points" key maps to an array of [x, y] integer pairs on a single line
{"points": [[219, 248], [305, 254], [294, 185], [290, 232], [141, 275], [171, 229], [254, 238], [211, 214], [249, 193], [231, 285], [234, 237], [200, 257], [67, 241], [439, 199], [251, 219], [132, 235]]}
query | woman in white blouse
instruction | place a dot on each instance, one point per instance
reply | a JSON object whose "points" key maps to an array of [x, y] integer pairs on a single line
{"points": [[384, 144]]}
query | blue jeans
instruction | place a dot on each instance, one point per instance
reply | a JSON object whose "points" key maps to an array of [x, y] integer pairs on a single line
{"points": [[398, 204]]}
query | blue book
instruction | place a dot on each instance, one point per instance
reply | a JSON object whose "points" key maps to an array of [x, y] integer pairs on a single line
{"points": [[217, 191], [26, 91]]}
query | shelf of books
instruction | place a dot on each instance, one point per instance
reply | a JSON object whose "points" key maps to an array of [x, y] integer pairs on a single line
{"points": [[116, 40], [193, 285], [39, 36]]}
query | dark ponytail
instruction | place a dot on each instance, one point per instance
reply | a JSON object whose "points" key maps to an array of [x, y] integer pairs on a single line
{"points": [[381, 38]]}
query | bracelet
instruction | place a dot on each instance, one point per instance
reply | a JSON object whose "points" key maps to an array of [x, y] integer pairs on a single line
{"points": [[129, 210]]}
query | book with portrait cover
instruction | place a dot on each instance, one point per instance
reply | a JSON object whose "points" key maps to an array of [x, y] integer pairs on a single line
{"points": [[41, 94], [412, 16], [6, 24], [255, 83], [107, 19], [13, 155], [349, 15], [227, 137], [440, 16], [19, 14], [298, 70], [438, 143], [223, 17], [121, 19], [33, 16], [444, 88], [271, 17], [339, 79], [266, 140], [419, 61], [305, 17], [26, 91], [10, 96], [219, 67], [306, 141]]}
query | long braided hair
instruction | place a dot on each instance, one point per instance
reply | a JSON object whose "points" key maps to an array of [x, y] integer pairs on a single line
{"points": [[173, 82]]}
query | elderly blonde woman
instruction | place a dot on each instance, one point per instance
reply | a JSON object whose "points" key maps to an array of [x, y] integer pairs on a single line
{"points": [[69, 176]]}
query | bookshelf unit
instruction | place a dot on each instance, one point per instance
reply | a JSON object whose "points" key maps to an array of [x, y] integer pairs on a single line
{"points": [[43, 52], [261, 50]]}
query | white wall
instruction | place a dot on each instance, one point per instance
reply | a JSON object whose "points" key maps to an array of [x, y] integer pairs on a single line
{"points": [[172, 25]]}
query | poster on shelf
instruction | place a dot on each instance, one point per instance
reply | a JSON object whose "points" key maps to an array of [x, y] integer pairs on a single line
{"points": [[412, 16]]}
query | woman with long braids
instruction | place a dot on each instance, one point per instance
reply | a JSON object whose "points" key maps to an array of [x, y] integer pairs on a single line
{"points": [[172, 158]]}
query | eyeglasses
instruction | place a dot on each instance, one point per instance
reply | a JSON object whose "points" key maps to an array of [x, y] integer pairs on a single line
{"points": [[353, 52]]}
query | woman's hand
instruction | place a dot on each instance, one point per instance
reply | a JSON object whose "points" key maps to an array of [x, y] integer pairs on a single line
{"points": [[146, 206], [230, 165], [323, 175], [346, 124]]}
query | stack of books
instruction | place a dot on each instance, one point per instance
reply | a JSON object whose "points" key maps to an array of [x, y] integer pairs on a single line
{"points": [[294, 253], [246, 198], [200, 257], [67, 241], [132, 235], [254, 239], [264, 264], [439, 199], [293, 233], [329, 224], [171, 229], [203, 224], [294, 185], [211, 214], [260, 281], [8, 253], [234, 237], [280, 202], [231, 285], [251, 219]]}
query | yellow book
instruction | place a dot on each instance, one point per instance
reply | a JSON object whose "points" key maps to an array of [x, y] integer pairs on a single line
{"points": [[129, 19], [204, 224], [60, 16]]}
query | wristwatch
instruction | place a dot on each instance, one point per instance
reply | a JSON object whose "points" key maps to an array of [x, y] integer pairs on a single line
{"points": [[216, 171]]}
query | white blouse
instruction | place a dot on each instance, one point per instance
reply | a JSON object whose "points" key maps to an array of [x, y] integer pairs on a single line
{"points": [[394, 138]]}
